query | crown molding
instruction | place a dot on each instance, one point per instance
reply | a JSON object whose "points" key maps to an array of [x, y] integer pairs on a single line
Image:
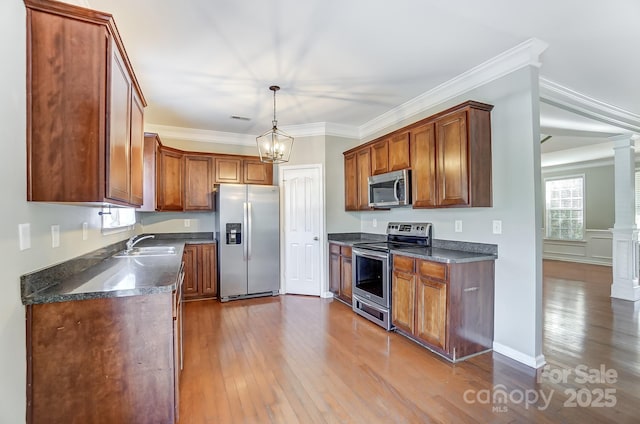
{"points": [[524, 54], [322, 129], [207, 136], [558, 95]]}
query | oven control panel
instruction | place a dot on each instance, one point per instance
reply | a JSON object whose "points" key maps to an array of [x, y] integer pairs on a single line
{"points": [[418, 229]]}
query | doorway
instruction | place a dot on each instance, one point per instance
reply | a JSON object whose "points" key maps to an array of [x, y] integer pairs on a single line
{"points": [[303, 229]]}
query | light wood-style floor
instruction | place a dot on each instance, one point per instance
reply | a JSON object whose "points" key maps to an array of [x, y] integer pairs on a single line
{"points": [[296, 359]]}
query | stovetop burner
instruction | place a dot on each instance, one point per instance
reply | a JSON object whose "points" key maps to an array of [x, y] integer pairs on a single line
{"points": [[402, 235]]}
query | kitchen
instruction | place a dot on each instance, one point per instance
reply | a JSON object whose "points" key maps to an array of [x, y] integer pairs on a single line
{"points": [[513, 173]]}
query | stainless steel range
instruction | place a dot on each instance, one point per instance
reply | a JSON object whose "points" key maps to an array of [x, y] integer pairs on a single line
{"points": [[372, 269]]}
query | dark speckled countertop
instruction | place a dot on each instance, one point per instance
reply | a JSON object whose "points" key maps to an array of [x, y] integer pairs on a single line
{"points": [[98, 274], [446, 251]]}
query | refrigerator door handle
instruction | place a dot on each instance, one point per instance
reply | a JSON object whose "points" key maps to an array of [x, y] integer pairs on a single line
{"points": [[244, 230], [249, 230]]}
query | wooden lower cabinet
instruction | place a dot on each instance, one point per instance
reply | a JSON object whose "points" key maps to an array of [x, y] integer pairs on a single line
{"points": [[108, 360], [200, 271], [431, 308], [340, 272], [446, 307]]}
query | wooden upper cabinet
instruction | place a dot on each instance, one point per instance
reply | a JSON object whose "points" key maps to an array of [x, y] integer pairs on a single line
{"points": [[380, 157], [256, 172], [423, 170], [151, 147], [84, 108], [118, 159], [137, 151], [363, 167], [399, 157], [170, 180], [228, 170], [350, 183], [449, 155], [453, 156], [198, 180], [463, 151], [390, 154]]}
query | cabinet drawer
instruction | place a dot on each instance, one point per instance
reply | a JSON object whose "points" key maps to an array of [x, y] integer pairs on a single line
{"points": [[435, 270], [345, 251], [334, 248], [403, 263]]}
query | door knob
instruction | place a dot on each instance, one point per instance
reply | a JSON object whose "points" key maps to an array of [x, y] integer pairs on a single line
{"points": [[316, 238]]}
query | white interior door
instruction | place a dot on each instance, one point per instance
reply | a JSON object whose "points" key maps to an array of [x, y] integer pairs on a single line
{"points": [[302, 199]]}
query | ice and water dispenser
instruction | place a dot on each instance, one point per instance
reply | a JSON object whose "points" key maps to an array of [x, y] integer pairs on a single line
{"points": [[234, 233]]}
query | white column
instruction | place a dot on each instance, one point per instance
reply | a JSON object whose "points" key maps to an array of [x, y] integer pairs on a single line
{"points": [[625, 234]]}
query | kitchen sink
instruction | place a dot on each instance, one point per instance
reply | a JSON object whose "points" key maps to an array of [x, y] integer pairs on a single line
{"points": [[137, 252]]}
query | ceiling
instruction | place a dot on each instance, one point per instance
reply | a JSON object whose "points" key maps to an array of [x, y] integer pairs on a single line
{"points": [[199, 62]]}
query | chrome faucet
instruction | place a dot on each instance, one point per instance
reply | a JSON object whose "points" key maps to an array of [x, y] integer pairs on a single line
{"points": [[133, 241]]}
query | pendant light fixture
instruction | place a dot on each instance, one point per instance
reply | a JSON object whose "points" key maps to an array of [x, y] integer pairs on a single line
{"points": [[274, 145]]}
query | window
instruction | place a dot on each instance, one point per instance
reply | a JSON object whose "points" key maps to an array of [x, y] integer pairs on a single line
{"points": [[565, 208], [117, 219]]}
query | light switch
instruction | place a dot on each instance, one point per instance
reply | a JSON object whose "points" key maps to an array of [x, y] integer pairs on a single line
{"points": [[187, 223], [85, 231], [24, 232], [458, 226], [374, 223], [55, 236], [497, 227]]}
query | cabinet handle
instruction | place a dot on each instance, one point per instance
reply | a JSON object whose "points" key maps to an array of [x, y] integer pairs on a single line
{"points": [[470, 289]]}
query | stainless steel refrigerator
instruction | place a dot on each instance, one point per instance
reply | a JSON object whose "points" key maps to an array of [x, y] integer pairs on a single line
{"points": [[248, 233]]}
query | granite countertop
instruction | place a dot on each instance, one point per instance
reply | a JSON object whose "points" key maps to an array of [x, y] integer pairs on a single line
{"points": [[446, 251], [436, 254], [100, 275], [349, 239]]}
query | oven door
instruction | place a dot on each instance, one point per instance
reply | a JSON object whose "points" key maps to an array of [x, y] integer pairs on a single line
{"points": [[371, 276]]}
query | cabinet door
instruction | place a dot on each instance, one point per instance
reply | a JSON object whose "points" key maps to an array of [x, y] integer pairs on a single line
{"points": [[380, 157], [170, 181], [190, 286], [399, 152], [432, 312], [403, 301], [228, 170], [208, 283], [119, 142], [256, 172], [137, 150], [198, 183], [453, 166], [423, 166], [151, 143], [363, 165], [350, 183], [334, 273], [345, 280]]}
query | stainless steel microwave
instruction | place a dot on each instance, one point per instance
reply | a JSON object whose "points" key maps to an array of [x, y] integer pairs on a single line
{"points": [[390, 190]]}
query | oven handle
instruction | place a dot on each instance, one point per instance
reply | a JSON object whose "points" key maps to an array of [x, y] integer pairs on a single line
{"points": [[369, 254]]}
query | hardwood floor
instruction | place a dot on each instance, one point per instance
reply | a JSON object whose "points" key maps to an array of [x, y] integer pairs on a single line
{"points": [[296, 359]]}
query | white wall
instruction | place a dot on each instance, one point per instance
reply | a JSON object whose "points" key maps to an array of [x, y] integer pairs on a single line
{"points": [[516, 201], [17, 210], [338, 220]]}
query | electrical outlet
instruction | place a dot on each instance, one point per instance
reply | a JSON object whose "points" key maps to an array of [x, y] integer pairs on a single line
{"points": [[458, 226], [497, 227], [24, 232], [85, 231], [187, 223], [55, 236], [374, 223]]}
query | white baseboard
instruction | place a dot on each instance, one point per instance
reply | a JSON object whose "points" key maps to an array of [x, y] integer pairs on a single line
{"points": [[530, 361], [326, 295], [588, 261]]}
